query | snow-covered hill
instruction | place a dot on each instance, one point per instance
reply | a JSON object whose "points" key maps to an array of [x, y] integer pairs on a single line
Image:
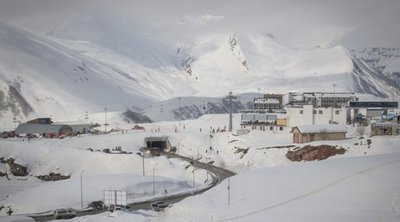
{"points": [[91, 62]]}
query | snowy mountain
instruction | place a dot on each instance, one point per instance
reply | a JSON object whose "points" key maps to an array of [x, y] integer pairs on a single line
{"points": [[384, 60], [91, 62]]}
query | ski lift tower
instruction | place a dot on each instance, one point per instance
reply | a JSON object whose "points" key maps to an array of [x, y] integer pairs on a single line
{"points": [[230, 97]]}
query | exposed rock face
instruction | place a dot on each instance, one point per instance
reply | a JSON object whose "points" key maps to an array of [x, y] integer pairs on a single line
{"points": [[310, 153], [15, 169], [4, 175], [53, 177], [136, 117]]}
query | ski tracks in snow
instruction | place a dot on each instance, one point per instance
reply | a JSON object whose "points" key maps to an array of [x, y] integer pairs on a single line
{"points": [[393, 202]]}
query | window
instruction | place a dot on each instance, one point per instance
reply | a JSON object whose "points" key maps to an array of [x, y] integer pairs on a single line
{"points": [[320, 112], [271, 128], [280, 128], [337, 112], [315, 112], [301, 111]]}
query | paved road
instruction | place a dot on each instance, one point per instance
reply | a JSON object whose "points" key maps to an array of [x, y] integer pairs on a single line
{"points": [[217, 173]]}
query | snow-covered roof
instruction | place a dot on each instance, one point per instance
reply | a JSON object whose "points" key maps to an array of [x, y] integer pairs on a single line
{"points": [[325, 128], [29, 128]]}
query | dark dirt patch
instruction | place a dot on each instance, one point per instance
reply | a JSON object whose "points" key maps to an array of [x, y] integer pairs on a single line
{"points": [[310, 153], [53, 177], [276, 147], [242, 151]]}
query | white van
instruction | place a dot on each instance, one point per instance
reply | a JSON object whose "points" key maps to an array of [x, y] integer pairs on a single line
{"points": [[64, 213]]}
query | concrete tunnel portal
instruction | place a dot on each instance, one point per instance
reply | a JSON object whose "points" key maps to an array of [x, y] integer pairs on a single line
{"points": [[160, 142]]}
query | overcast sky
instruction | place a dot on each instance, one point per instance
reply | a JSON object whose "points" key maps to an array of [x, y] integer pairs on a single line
{"points": [[353, 23]]}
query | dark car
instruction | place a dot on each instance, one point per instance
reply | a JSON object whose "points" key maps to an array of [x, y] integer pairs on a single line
{"points": [[96, 205], [159, 205]]}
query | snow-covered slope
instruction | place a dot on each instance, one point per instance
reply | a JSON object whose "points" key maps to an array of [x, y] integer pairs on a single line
{"points": [[385, 60], [348, 189], [96, 61], [53, 80], [358, 185]]}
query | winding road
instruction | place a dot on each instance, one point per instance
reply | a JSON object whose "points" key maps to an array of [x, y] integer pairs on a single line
{"points": [[218, 174]]}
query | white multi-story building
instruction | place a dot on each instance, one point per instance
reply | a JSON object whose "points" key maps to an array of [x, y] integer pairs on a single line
{"points": [[310, 115], [319, 99]]}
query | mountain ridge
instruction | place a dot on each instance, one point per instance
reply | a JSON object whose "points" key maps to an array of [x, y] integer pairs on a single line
{"points": [[80, 69]]}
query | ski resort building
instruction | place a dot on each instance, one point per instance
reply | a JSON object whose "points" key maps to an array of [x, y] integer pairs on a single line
{"points": [[319, 99], [372, 109], [309, 133], [310, 115], [385, 128], [47, 128]]}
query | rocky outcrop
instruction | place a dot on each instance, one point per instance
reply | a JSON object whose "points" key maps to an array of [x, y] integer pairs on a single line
{"points": [[310, 153], [15, 169], [136, 117]]}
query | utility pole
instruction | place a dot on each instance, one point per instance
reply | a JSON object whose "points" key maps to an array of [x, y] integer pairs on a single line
{"points": [[81, 191], [143, 162], [105, 120], [334, 94], [229, 192], [180, 110], [154, 190], [193, 178], [86, 117], [230, 97]]}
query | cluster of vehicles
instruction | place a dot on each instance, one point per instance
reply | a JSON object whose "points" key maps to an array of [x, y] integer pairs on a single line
{"points": [[68, 213]]}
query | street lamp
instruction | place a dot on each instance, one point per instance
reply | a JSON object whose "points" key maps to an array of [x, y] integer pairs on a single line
{"points": [[193, 177], [334, 94], [81, 191], [105, 120], [180, 111], [143, 162], [229, 192], [154, 191]]}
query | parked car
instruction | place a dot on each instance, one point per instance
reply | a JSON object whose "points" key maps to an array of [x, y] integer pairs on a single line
{"points": [[159, 205], [96, 205], [64, 213]]}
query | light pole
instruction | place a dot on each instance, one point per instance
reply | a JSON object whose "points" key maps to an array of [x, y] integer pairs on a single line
{"points": [[180, 111], [229, 192], [154, 190], [105, 120], [193, 177], [334, 94], [81, 191], [143, 162]]}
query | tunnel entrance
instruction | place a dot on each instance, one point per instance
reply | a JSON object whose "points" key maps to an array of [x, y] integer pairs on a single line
{"points": [[159, 142]]}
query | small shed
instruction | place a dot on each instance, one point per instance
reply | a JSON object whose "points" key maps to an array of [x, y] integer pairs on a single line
{"points": [[240, 132], [309, 133]]}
